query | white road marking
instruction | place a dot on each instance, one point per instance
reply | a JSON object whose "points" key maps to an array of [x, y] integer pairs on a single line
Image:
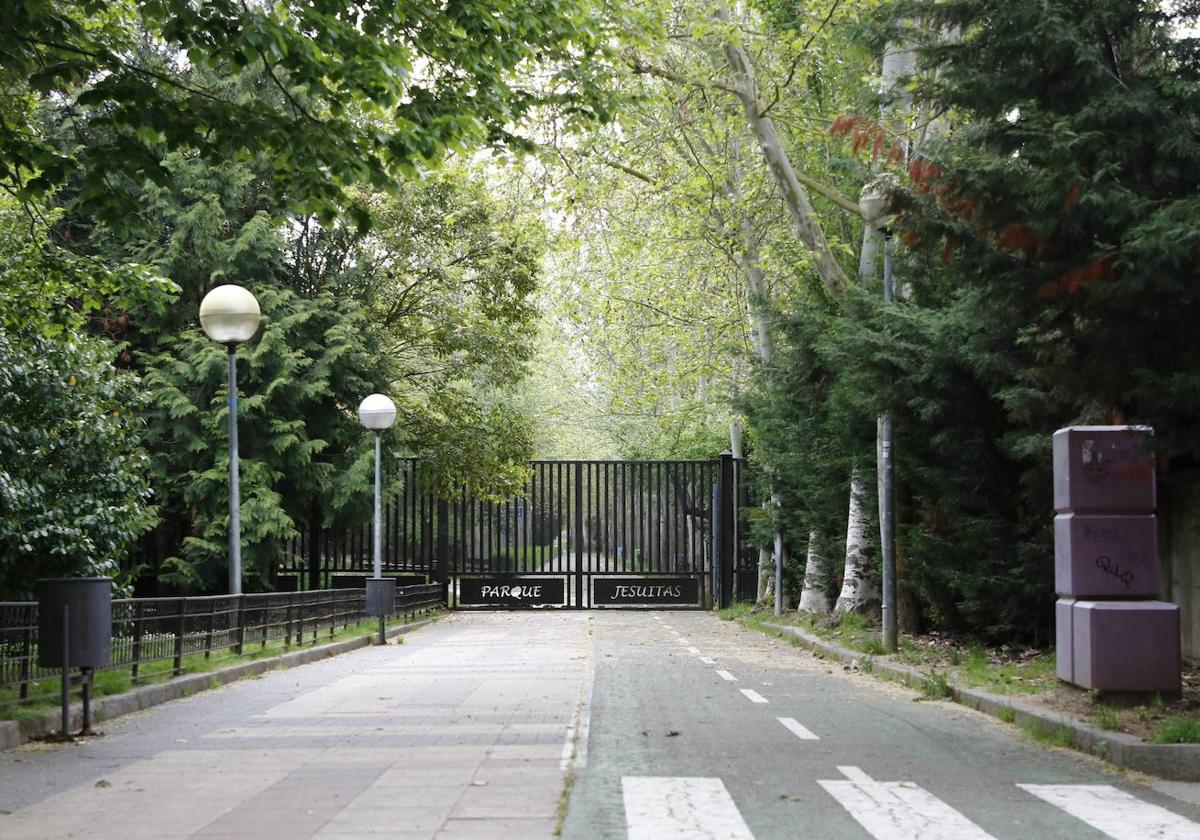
{"points": [[668, 626], [681, 808], [1115, 812], [899, 810], [708, 661], [753, 696], [695, 651], [798, 729], [728, 677]]}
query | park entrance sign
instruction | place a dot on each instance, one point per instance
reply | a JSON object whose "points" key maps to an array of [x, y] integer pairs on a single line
{"points": [[579, 535]]}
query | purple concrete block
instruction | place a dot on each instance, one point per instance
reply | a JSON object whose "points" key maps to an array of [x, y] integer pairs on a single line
{"points": [[1103, 469], [1126, 645], [1064, 642], [1105, 556]]}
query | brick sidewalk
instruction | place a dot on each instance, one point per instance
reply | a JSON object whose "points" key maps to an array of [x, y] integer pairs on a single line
{"points": [[459, 732]]}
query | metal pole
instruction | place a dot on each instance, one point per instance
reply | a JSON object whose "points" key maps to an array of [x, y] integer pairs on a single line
{"points": [[377, 547], [66, 672], [235, 503], [887, 488]]}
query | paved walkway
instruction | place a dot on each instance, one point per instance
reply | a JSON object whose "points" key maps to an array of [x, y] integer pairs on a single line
{"points": [[675, 726], [459, 732]]}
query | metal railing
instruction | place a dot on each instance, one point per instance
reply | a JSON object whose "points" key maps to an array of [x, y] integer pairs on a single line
{"points": [[148, 631]]}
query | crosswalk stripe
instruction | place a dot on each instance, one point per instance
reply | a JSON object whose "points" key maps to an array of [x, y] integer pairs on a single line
{"points": [[1116, 813], [899, 810], [753, 696], [681, 808], [728, 677], [796, 728]]}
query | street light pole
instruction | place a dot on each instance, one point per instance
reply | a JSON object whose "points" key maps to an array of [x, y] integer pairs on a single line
{"points": [[235, 492], [230, 315], [378, 544], [875, 204], [887, 486], [376, 412]]}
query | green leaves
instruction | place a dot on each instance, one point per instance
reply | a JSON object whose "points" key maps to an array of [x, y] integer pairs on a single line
{"points": [[73, 489], [341, 104]]}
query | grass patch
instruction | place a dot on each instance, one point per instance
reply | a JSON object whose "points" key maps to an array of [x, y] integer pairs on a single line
{"points": [[1108, 718], [1058, 736], [44, 694], [735, 611], [938, 687], [1029, 676], [1007, 714], [564, 800], [1179, 730]]}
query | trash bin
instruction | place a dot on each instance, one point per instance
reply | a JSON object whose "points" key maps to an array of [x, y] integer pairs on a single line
{"points": [[381, 596], [89, 622]]}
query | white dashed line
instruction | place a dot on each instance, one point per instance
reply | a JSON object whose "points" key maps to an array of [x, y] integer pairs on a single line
{"points": [[728, 677], [797, 729], [695, 651], [753, 696], [708, 661]]}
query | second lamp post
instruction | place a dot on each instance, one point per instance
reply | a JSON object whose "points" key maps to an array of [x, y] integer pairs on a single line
{"points": [[377, 413]]}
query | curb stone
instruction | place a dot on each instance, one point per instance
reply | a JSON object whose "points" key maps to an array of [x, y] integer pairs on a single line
{"points": [[14, 733], [1176, 762]]}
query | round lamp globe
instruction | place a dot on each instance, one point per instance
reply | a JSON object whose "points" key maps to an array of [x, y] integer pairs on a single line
{"points": [[229, 314], [377, 412]]}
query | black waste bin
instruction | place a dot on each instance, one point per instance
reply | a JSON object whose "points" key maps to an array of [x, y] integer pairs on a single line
{"points": [[89, 624], [381, 596]]}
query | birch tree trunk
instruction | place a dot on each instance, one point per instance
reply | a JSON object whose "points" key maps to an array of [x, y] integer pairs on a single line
{"points": [[813, 596], [858, 593]]}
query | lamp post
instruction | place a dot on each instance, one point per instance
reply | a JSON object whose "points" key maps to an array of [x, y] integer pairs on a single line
{"points": [[875, 204], [230, 315], [377, 412]]}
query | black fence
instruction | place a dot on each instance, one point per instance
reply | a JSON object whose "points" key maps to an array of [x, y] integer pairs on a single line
{"points": [[149, 631], [577, 521]]}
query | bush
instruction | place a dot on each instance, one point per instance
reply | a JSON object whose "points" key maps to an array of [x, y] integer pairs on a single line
{"points": [[73, 487]]}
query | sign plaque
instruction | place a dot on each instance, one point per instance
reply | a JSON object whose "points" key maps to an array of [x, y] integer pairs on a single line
{"points": [[509, 591], [646, 591]]}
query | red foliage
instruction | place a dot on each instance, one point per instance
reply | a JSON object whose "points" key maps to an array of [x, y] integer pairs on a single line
{"points": [[1075, 194], [1079, 278], [924, 175], [1017, 237]]}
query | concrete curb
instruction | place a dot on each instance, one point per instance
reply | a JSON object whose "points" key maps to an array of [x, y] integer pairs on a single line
{"points": [[14, 733], [1177, 762]]}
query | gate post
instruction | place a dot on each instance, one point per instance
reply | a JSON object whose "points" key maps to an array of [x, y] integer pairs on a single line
{"points": [[579, 540], [443, 548], [726, 546]]}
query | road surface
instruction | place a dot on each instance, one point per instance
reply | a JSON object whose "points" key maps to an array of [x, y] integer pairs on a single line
{"points": [[658, 725]]}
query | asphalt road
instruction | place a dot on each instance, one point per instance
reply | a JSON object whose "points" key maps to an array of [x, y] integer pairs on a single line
{"points": [[670, 725], [678, 696]]}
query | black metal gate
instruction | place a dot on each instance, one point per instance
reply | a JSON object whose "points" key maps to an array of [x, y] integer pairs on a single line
{"points": [[580, 534]]}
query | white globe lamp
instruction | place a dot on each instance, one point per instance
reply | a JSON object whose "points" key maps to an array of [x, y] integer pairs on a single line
{"points": [[230, 315]]}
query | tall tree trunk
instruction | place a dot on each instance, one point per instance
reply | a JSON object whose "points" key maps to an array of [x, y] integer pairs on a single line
{"points": [[859, 593], [813, 597], [808, 226]]}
